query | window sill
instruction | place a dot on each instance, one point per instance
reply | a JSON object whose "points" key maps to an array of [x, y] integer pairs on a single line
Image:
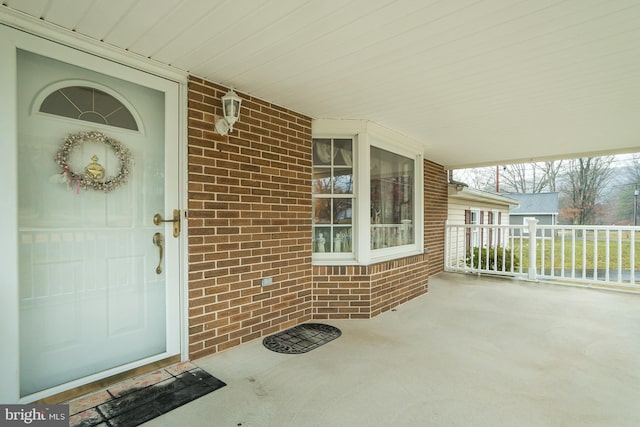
{"points": [[373, 260]]}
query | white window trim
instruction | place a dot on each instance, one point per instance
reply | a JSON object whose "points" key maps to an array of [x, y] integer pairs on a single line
{"points": [[366, 134], [475, 231], [495, 219]]}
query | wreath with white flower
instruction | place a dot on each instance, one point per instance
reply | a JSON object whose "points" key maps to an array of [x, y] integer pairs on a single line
{"points": [[86, 179]]}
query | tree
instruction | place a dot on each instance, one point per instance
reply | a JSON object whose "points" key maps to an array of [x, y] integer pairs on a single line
{"points": [[478, 178], [624, 197], [552, 171], [586, 181], [531, 177], [521, 178]]}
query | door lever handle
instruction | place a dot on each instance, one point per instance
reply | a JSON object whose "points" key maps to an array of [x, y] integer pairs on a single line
{"points": [[158, 219], [158, 240]]}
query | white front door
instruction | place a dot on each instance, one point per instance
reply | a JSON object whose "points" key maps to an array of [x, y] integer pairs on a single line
{"points": [[97, 280]]}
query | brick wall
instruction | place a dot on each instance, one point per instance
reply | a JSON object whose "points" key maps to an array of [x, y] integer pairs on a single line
{"points": [[249, 218], [436, 193], [362, 292], [398, 281], [341, 292]]}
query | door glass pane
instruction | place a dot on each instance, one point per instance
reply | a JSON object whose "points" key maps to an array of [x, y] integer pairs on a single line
{"points": [[90, 299], [90, 104]]}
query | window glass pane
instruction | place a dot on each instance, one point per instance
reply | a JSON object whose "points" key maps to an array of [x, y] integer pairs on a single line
{"points": [[322, 181], [342, 211], [343, 152], [322, 239], [322, 211], [343, 181], [342, 239], [391, 199], [321, 152]]}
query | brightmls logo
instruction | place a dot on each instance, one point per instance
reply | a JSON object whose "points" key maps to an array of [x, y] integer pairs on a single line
{"points": [[34, 415]]}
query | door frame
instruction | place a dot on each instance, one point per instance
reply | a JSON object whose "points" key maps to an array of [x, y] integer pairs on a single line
{"points": [[27, 34]]}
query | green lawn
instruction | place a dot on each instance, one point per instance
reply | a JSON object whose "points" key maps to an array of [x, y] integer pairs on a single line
{"points": [[586, 246]]}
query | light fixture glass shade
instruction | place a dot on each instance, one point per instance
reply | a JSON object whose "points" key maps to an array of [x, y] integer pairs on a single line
{"points": [[222, 127], [231, 108]]}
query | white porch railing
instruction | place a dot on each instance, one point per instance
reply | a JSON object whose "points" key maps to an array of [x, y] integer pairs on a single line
{"points": [[601, 255]]}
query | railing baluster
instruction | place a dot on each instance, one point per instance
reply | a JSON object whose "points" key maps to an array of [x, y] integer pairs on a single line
{"points": [[562, 253], [513, 251], [542, 249], [573, 253], [533, 248], [595, 254], [553, 253], [607, 261], [584, 254], [521, 236], [632, 255], [619, 256]]}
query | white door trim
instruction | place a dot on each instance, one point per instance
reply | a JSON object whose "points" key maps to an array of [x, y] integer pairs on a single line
{"points": [[175, 131]]}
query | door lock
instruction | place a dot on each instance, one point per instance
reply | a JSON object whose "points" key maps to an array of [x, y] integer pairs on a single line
{"points": [[157, 220]]}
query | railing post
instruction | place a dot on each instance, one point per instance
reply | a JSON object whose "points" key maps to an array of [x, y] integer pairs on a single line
{"points": [[531, 224]]}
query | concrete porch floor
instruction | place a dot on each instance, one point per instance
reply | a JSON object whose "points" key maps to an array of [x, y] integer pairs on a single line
{"points": [[471, 352]]}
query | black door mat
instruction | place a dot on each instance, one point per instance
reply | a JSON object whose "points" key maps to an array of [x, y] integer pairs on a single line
{"points": [[301, 338], [140, 405]]}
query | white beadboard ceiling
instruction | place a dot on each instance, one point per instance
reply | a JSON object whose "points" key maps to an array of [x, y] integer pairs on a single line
{"points": [[478, 82]]}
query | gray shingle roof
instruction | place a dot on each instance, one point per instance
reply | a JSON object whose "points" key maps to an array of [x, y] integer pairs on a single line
{"points": [[534, 203]]}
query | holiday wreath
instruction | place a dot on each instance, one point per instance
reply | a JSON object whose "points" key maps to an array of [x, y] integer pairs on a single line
{"points": [[93, 176]]}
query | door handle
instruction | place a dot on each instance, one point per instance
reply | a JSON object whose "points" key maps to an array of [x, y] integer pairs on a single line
{"points": [[157, 220], [158, 240]]}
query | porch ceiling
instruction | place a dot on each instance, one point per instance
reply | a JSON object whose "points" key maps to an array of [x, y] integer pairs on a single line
{"points": [[476, 82]]}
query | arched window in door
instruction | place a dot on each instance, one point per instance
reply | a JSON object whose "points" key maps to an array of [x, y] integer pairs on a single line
{"points": [[89, 104]]}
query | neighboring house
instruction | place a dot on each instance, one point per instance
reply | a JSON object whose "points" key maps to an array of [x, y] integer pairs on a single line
{"points": [[470, 206], [541, 206], [136, 236]]}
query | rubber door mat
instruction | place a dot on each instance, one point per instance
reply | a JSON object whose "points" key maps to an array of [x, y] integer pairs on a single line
{"points": [[301, 338]]}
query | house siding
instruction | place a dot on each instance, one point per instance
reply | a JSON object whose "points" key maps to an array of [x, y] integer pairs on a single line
{"points": [[457, 215], [250, 217], [457, 210]]}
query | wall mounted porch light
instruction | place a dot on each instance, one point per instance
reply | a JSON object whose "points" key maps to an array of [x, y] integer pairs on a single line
{"points": [[230, 112]]}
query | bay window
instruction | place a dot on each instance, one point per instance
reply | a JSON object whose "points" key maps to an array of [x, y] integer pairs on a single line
{"points": [[367, 194]]}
